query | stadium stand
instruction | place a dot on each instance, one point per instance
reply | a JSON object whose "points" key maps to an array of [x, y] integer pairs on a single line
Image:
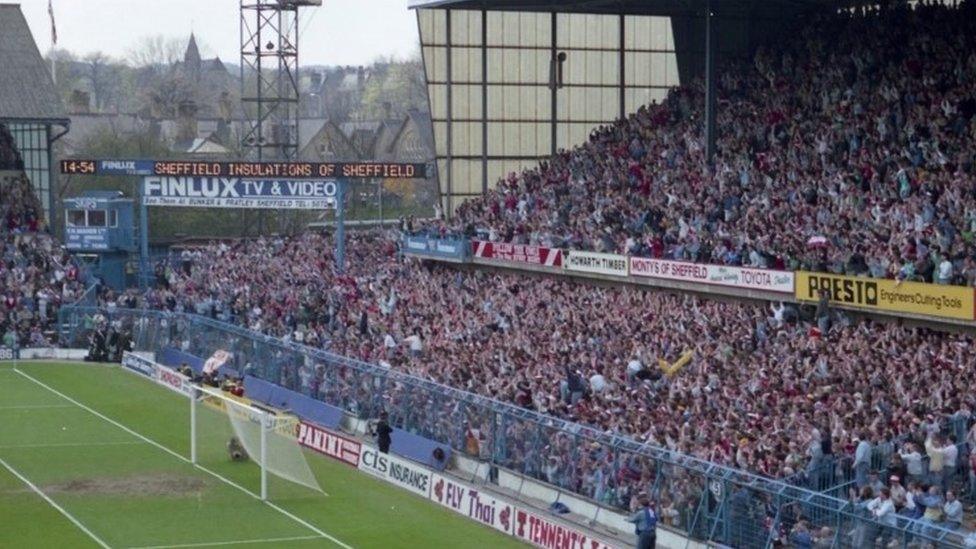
{"points": [[36, 273], [860, 121], [849, 149], [762, 390]]}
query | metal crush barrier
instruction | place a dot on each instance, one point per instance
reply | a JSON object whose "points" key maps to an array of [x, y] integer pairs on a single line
{"points": [[702, 500]]}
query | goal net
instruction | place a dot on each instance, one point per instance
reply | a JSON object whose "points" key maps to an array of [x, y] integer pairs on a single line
{"points": [[231, 436]]}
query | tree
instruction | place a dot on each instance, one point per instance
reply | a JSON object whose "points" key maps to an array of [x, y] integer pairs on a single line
{"points": [[103, 78], [394, 88], [156, 52], [66, 79]]}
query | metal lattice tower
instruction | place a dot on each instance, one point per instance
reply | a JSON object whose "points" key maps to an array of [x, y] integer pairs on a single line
{"points": [[269, 77]]}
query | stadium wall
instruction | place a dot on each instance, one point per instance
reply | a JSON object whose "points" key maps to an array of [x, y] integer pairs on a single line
{"points": [[527, 496]]}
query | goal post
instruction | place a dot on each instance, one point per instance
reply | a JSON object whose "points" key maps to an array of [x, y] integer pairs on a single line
{"points": [[231, 435], [227, 433]]}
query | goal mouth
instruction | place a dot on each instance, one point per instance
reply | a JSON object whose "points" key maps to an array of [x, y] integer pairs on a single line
{"points": [[257, 433]]}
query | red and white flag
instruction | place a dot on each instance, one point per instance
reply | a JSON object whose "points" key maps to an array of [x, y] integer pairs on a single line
{"points": [[817, 242], [218, 359], [54, 29]]}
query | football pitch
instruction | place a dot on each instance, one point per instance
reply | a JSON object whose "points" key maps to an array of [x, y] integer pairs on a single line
{"points": [[94, 456]]}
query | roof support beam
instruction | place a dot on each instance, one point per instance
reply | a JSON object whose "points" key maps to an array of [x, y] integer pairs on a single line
{"points": [[709, 83]]}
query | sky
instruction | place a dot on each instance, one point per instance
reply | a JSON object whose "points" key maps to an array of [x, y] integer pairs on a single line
{"points": [[340, 32]]}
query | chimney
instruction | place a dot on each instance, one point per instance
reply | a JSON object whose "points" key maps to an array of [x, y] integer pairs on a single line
{"points": [[80, 102], [225, 105], [186, 121], [361, 76], [316, 79]]}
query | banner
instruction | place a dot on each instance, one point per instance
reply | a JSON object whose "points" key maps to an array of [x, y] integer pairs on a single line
{"points": [[518, 253], [592, 262], [86, 238], [169, 378], [403, 473], [173, 380], [718, 275], [446, 248], [6, 353], [676, 366], [246, 169], [230, 192], [331, 444], [216, 360], [542, 532], [139, 365], [888, 295], [478, 505]]}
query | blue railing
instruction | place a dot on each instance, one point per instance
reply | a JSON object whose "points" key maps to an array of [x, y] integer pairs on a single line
{"points": [[701, 499]]}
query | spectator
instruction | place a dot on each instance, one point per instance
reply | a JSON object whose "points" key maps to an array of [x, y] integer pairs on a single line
{"points": [[913, 462], [862, 460], [645, 524], [953, 511], [897, 492], [936, 456]]}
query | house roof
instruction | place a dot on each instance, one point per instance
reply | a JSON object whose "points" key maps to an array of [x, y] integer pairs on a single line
{"points": [[27, 91], [424, 126], [308, 128], [84, 126]]}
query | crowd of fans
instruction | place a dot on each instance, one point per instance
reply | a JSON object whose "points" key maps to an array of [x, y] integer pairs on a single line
{"points": [[37, 274], [760, 388], [849, 148]]}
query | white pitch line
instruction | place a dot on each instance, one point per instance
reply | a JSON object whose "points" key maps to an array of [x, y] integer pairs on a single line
{"points": [[71, 444], [235, 542], [52, 503], [229, 482], [35, 406]]}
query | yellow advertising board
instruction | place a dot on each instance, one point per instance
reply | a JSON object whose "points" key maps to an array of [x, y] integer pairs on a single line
{"points": [[888, 295]]}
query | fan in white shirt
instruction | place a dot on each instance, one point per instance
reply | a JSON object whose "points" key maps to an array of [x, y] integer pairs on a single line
{"points": [[883, 508]]}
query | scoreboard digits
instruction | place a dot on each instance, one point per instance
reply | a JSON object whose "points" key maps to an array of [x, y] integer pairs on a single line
{"points": [[79, 167]]}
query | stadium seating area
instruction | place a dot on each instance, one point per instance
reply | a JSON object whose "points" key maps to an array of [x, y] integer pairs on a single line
{"points": [[851, 149], [760, 390], [36, 273]]}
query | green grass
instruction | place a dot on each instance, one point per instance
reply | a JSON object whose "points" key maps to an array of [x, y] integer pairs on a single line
{"points": [[131, 493]]}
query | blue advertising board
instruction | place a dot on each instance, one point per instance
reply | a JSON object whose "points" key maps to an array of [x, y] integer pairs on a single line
{"points": [[232, 192], [456, 249]]}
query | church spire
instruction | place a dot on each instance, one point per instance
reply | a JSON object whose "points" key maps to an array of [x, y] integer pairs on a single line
{"points": [[192, 56]]}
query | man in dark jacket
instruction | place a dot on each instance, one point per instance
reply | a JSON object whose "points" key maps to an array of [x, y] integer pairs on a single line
{"points": [[383, 432]]}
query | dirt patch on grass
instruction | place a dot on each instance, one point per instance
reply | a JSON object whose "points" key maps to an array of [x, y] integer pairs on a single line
{"points": [[138, 485]]}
